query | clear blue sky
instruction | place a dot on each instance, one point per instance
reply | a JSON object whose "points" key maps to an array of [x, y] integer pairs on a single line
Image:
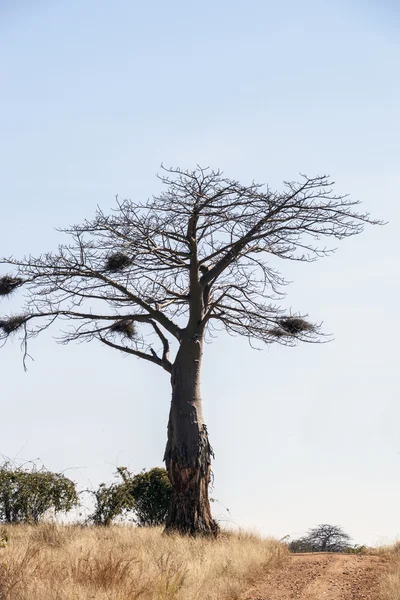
{"points": [[94, 96]]}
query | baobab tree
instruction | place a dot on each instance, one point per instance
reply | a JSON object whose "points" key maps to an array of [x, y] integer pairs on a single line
{"points": [[153, 278]]}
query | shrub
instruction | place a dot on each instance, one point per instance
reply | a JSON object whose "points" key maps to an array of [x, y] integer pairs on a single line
{"points": [[151, 493], [356, 549], [143, 497], [26, 496], [111, 501], [300, 545]]}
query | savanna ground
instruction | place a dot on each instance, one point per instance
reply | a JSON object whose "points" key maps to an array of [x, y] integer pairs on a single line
{"points": [[323, 576], [70, 562], [371, 575]]}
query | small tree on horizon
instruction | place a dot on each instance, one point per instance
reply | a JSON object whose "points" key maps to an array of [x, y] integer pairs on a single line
{"points": [[195, 259], [323, 538]]}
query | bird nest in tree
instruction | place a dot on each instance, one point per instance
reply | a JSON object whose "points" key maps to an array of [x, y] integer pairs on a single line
{"points": [[124, 327], [8, 284], [117, 262], [12, 324], [277, 332], [294, 325]]}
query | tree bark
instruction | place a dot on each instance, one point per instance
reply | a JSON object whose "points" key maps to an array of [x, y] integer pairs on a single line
{"points": [[188, 453]]}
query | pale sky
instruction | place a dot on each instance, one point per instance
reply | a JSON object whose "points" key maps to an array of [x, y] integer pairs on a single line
{"points": [[94, 96]]}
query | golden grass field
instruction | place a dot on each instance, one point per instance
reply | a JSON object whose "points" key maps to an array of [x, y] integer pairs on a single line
{"points": [[390, 582], [71, 562]]}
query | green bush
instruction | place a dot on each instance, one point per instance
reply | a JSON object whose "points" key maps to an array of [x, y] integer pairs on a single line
{"points": [[151, 494], [110, 501], [144, 498], [26, 496]]}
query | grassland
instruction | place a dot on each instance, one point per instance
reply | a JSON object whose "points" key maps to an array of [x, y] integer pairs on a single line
{"points": [[389, 588], [55, 562]]}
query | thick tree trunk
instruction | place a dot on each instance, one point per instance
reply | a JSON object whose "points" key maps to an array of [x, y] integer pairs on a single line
{"points": [[188, 453]]}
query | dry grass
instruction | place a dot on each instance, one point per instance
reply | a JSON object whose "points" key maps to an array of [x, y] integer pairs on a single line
{"points": [[55, 562], [390, 581]]}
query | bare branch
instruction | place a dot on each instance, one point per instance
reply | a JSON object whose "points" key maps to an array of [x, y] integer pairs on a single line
{"points": [[150, 357], [201, 254]]}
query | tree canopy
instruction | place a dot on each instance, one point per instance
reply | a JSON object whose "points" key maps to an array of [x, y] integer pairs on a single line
{"points": [[126, 279]]}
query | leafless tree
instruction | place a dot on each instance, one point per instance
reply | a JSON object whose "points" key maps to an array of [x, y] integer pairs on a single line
{"points": [[153, 278]]}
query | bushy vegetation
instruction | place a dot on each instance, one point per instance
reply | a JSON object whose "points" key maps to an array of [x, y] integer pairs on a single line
{"points": [[26, 495], [110, 501], [143, 498], [29, 493], [151, 495]]}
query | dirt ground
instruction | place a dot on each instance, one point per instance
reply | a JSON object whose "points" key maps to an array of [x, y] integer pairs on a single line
{"points": [[321, 577]]}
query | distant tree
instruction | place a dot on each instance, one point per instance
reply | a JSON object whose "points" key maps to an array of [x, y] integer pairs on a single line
{"points": [[323, 538], [199, 257], [27, 495]]}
